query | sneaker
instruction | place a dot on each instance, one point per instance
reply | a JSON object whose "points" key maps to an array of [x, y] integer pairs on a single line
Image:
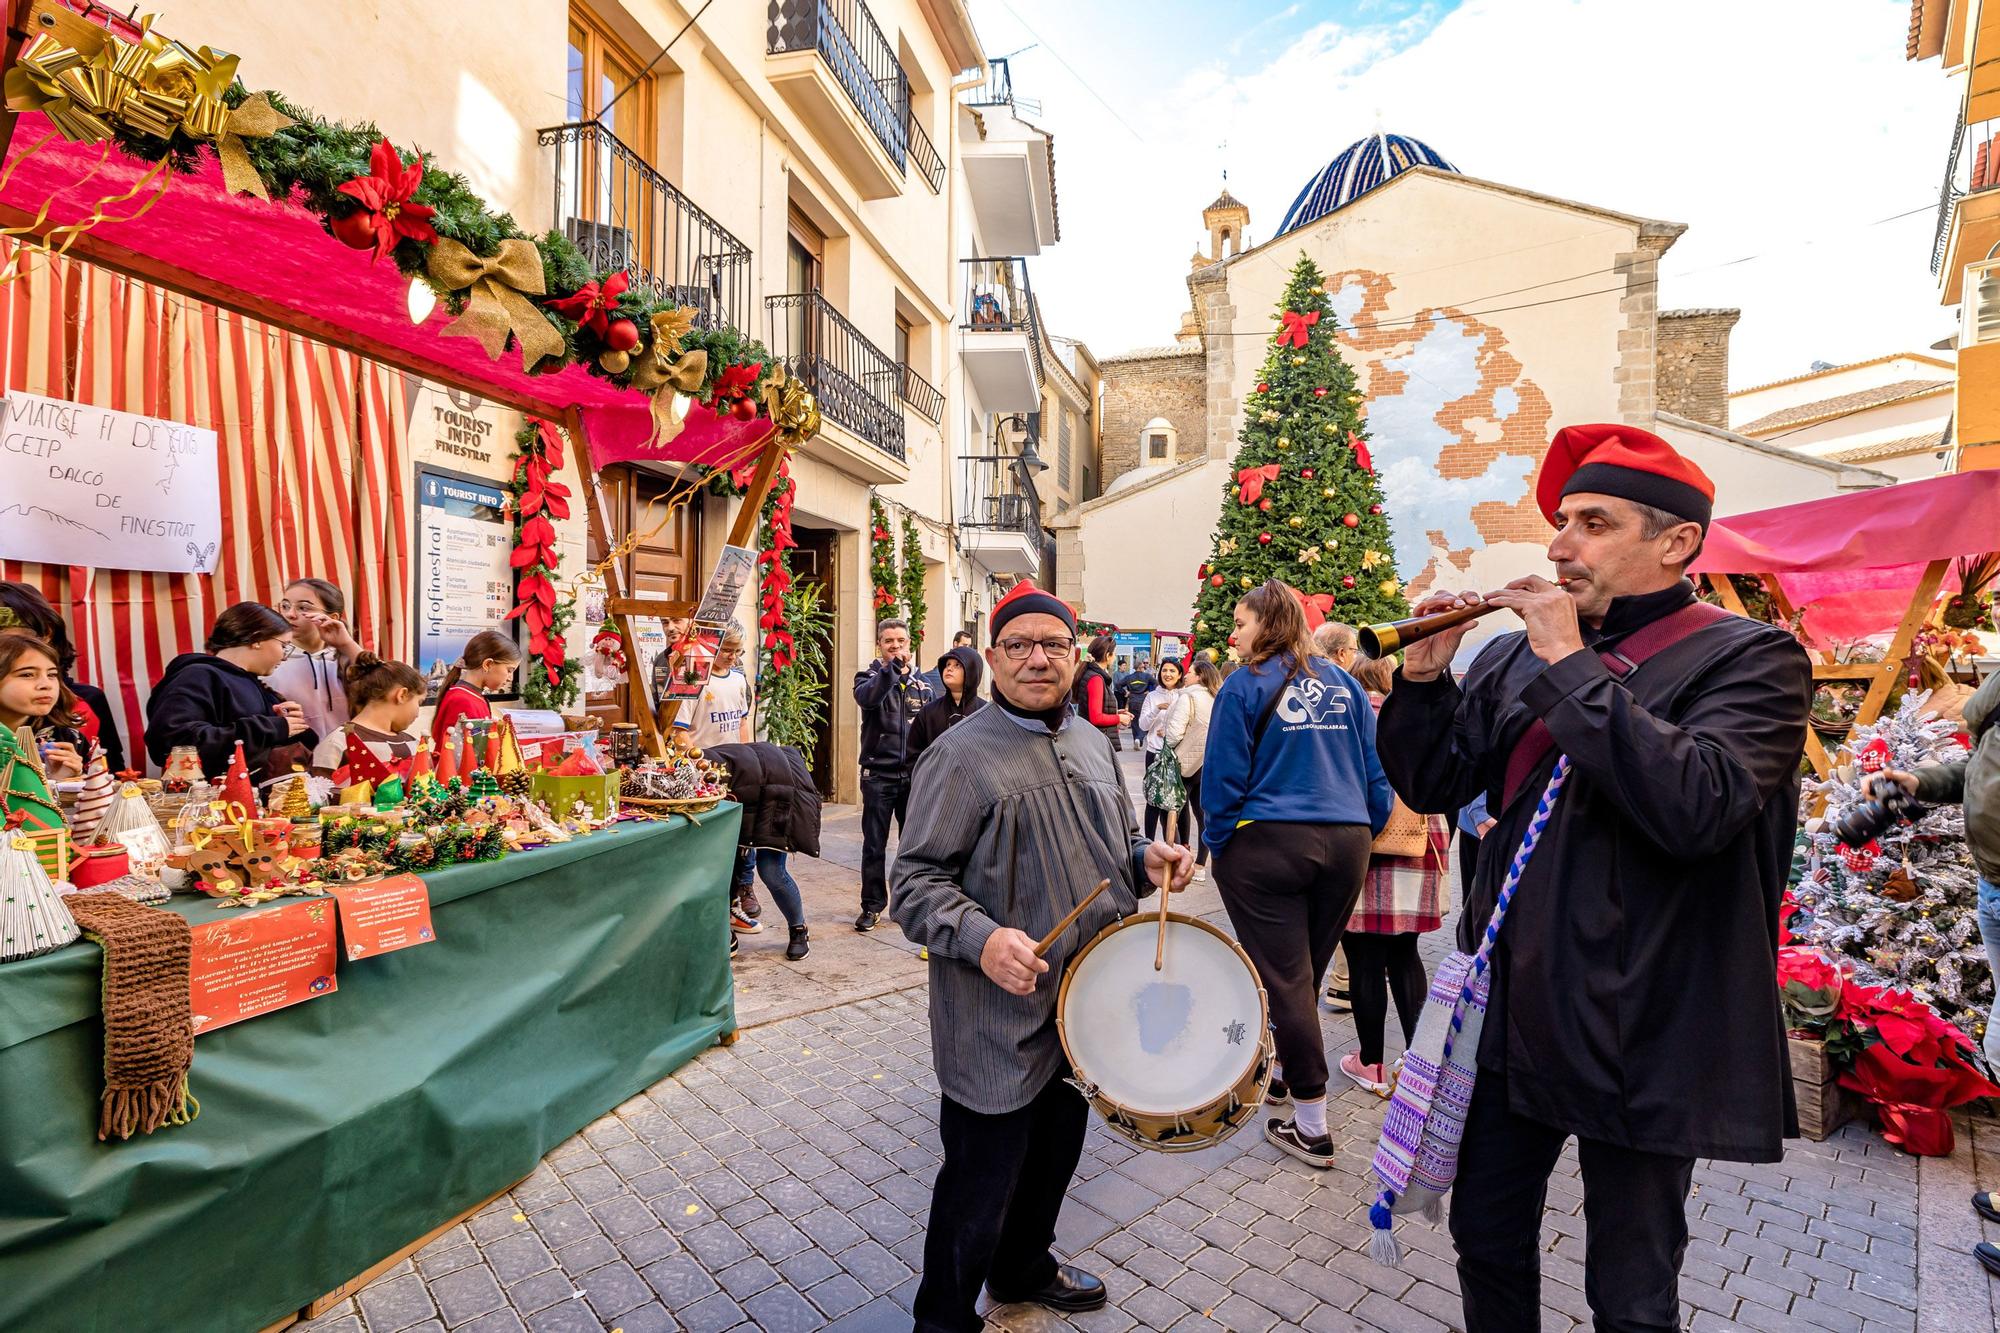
{"points": [[1316, 1153], [800, 945], [1988, 1255], [746, 899], [1200, 875], [1987, 1206], [1278, 1094], [1337, 1001], [733, 945], [867, 921], [1368, 1078], [742, 924]]}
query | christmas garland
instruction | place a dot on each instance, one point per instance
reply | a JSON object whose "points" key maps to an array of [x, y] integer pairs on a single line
{"points": [[882, 560], [165, 103], [913, 580], [538, 498]]}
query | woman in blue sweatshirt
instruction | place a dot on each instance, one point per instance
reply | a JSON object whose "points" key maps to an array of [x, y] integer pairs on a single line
{"points": [[1292, 794]]}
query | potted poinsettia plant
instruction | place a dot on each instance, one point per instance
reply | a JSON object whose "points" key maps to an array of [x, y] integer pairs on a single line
{"points": [[1913, 1066]]}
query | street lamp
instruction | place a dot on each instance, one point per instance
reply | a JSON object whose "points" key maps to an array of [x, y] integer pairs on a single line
{"points": [[1029, 461]]}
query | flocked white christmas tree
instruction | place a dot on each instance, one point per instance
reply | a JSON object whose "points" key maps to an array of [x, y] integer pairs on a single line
{"points": [[1902, 907]]}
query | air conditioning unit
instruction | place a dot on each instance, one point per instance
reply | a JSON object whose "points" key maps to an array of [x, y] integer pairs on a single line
{"points": [[1981, 309]]}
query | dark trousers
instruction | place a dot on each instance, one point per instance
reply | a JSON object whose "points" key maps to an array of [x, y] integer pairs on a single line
{"points": [[1379, 966], [1635, 1224], [1468, 862], [994, 1206], [1289, 889], [883, 797], [1187, 824]]}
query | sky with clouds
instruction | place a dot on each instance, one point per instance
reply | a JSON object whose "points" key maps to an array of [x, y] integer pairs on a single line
{"points": [[1783, 132]]}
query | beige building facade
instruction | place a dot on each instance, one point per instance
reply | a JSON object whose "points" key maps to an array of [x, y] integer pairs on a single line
{"points": [[1890, 413]]}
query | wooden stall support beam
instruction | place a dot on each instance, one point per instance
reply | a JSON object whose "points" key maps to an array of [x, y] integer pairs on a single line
{"points": [[1725, 592], [1816, 754], [1899, 647]]}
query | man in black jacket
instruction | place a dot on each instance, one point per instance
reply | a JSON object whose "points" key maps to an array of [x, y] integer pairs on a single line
{"points": [[891, 695], [1632, 1004]]}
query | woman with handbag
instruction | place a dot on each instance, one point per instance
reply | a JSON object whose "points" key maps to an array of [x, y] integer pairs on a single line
{"points": [[1292, 794], [1187, 737], [1402, 899], [1154, 715]]}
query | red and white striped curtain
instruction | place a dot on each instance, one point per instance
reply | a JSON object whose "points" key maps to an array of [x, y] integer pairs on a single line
{"points": [[315, 466]]}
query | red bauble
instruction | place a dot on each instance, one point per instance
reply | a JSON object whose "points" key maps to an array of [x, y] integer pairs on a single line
{"points": [[1263, 387], [1320, 392], [356, 230], [1215, 580], [1263, 539], [1306, 472], [621, 335], [1201, 573], [1347, 580], [1351, 520], [744, 409], [1374, 509], [1264, 505]]}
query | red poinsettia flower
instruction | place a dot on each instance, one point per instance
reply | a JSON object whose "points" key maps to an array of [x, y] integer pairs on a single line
{"points": [[734, 382], [591, 304], [387, 193]]}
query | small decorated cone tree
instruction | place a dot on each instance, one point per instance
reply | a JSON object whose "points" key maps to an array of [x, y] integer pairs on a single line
{"points": [[1302, 503]]}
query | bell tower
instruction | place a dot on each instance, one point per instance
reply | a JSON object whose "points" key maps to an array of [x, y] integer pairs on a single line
{"points": [[1227, 219]]}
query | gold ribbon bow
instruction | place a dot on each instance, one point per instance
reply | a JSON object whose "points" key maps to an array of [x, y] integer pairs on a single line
{"points": [[255, 119], [499, 304], [35, 84], [792, 406], [663, 370]]}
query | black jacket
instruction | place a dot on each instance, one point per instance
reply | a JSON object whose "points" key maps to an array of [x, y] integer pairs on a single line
{"points": [[941, 712], [780, 800], [1632, 995], [211, 704], [890, 700]]}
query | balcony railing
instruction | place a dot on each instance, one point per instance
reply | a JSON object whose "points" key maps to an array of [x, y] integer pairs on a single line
{"points": [[856, 382], [999, 497], [924, 156], [1950, 194], [923, 396], [998, 90], [997, 298], [863, 62], [623, 214]]}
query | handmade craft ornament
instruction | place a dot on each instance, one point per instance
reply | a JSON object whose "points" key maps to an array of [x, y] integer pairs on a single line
{"points": [[33, 919], [498, 302], [182, 769], [239, 797], [24, 784], [93, 801]]}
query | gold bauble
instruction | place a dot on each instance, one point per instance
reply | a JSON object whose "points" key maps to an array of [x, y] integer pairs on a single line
{"points": [[1329, 429], [1298, 361], [1247, 582], [1284, 441], [1356, 399], [1319, 289], [614, 361], [1387, 587], [1327, 491], [1295, 522]]}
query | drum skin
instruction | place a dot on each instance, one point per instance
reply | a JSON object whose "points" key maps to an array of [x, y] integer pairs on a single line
{"points": [[1174, 1060]]}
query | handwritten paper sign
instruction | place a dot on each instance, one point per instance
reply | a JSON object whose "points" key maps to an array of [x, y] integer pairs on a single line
{"points": [[260, 961], [382, 917], [89, 486]]}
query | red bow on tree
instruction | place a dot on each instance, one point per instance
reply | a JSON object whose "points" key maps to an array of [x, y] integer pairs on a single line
{"points": [[1316, 605], [1250, 482], [1298, 327], [591, 304], [1361, 455]]}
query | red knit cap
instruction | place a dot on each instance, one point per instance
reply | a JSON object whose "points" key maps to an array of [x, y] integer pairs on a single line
{"points": [[1026, 599], [1627, 462]]}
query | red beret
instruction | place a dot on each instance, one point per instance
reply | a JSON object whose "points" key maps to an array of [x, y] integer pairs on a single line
{"points": [[1627, 462], [1026, 599]]}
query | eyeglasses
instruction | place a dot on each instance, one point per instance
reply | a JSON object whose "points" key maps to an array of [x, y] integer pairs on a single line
{"points": [[1019, 650]]}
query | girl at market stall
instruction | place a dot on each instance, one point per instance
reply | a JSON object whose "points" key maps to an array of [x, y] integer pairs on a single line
{"points": [[211, 700], [322, 650], [487, 665], [31, 611], [376, 743], [32, 695]]}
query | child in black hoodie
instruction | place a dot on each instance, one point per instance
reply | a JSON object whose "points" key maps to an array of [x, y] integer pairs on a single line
{"points": [[214, 699], [961, 671]]}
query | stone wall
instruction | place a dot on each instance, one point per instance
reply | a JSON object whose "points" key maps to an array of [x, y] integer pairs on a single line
{"points": [[1165, 383], [1691, 359]]}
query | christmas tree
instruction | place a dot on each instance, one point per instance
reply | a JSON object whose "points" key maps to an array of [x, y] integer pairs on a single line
{"points": [[1901, 906], [1302, 503]]}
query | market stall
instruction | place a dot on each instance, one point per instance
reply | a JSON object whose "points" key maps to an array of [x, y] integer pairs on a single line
{"points": [[334, 1132]]}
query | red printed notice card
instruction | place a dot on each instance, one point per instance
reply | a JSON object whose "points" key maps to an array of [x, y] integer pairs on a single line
{"points": [[384, 916], [261, 960]]}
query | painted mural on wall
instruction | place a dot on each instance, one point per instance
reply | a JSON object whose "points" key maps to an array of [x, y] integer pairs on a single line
{"points": [[1456, 426]]}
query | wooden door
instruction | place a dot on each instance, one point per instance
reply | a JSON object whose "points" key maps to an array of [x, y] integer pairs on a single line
{"points": [[813, 563], [667, 564]]}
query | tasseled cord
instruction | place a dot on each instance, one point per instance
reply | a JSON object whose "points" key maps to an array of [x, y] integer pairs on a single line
{"points": [[1382, 1246]]}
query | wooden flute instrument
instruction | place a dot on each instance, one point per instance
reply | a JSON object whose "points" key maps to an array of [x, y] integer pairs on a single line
{"points": [[1395, 635]]}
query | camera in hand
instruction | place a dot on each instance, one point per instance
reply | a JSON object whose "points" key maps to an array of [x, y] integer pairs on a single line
{"points": [[1874, 816]]}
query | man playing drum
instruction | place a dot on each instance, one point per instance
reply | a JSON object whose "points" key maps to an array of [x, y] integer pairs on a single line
{"points": [[1016, 814]]}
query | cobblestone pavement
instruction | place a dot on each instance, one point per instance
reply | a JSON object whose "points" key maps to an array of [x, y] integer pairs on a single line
{"points": [[783, 1183]]}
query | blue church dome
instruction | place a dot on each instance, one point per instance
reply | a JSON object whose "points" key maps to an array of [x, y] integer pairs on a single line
{"points": [[1360, 167]]}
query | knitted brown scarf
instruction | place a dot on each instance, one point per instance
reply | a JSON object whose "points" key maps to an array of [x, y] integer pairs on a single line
{"points": [[148, 1013]]}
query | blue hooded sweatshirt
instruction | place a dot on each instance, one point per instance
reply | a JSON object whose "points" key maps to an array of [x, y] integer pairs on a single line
{"points": [[1316, 763]]}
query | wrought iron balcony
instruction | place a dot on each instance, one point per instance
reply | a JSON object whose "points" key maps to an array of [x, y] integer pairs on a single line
{"points": [[922, 395], [997, 296], [858, 385], [999, 494], [623, 214], [864, 63], [998, 90], [999, 346]]}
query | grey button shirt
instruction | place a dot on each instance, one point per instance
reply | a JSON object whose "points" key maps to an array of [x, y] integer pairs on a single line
{"points": [[1010, 826]]}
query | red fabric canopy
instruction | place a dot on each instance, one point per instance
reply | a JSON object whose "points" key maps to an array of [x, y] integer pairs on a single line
{"points": [[273, 261], [1852, 562]]}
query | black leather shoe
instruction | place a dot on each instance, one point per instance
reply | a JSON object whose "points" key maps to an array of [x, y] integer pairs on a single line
{"points": [[1987, 1253], [866, 921], [1071, 1289], [1983, 1204]]}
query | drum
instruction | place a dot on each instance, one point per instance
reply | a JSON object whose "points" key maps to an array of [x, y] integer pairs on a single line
{"points": [[1175, 1059]]}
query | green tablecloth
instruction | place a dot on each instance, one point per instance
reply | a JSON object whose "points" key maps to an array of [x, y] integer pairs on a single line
{"points": [[333, 1133]]}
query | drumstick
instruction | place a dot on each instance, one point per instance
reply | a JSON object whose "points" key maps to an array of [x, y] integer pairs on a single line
{"points": [[1048, 941], [1166, 887]]}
